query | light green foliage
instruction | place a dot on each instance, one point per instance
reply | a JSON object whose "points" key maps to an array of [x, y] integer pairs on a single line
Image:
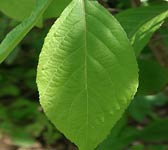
{"points": [[21, 9], [17, 9], [56, 8], [141, 23], [87, 73], [152, 77], [17, 34]]}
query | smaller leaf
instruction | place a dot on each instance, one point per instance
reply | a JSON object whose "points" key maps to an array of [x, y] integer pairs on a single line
{"points": [[18, 9], [25, 7], [141, 23], [17, 34]]}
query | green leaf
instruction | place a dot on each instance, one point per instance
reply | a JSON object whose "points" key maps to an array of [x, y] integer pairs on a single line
{"points": [[87, 73], [25, 7], [17, 9], [56, 8], [141, 23], [17, 34], [156, 131], [152, 77]]}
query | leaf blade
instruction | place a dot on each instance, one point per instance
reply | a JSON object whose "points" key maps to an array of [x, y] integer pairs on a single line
{"points": [[25, 7], [78, 69], [141, 23], [18, 33]]}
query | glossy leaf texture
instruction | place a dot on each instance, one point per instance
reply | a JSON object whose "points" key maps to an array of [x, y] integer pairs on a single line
{"points": [[17, 34], [141, 23], [87, 73]]}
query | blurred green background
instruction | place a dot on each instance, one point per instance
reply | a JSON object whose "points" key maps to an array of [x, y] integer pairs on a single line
{"points": [[23, 124]]}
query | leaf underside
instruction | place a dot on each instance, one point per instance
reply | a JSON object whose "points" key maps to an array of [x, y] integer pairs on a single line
{"points": [[87, 73]]}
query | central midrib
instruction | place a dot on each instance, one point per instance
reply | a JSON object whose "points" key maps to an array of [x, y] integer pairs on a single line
{"points": [[85, 65]]}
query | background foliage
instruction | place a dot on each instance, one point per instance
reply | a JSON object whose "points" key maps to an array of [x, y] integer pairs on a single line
{"points": [[23, 124]]}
